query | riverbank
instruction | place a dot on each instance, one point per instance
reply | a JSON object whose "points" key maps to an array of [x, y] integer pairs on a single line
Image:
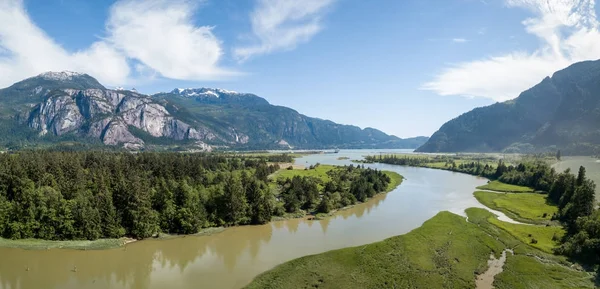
{"points": [[449, 251], [321, 173], [37, 244], [445, 252], [102, 244], [396, 180], [506, 188]]}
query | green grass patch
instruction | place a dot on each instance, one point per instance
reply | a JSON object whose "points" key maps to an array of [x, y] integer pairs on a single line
{"points": [[443, 253], [542, 237], [436, 165], [502, 187], [523, 207], [396, 180], [36, 244], [320, 172], [523, 272]]}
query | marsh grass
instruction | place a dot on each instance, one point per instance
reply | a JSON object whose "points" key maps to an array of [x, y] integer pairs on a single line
{"points": [[445, 252], [36, 244], [502, 187], [523, 207]]}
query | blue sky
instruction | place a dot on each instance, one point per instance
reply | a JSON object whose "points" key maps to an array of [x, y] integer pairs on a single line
{"points": [[404, 67]]}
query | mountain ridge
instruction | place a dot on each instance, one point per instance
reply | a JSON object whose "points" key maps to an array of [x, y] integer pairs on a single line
{"points": [[59, 106], [560, 112]]}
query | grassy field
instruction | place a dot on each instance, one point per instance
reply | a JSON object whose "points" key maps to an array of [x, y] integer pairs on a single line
{"points": [[445, 252], [552, 271], [529, 267], [502, 187], [396, 180], [524, 207], [320, 172], [36, 244], [546, 237], [522, 272], [527, 208]]}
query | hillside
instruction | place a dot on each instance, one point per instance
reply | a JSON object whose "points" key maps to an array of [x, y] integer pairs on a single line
{"points": [[561, 112], [56, 107]]}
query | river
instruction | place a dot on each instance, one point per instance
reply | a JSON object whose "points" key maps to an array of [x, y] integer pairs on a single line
{"points": [[591, 164], [231, 259]]}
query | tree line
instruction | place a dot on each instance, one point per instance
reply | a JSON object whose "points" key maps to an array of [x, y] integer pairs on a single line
{"points": [[347, 186], [573, 194], [89, 195]]}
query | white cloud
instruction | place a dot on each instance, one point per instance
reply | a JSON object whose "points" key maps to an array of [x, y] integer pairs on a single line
{"points": [[569, 32], [153, 36], [161, 35], [459, 40], [282, 25], [29, 51]]}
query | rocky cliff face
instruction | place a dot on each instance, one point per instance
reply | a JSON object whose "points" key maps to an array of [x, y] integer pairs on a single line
{"points": [[67, 105], [101, 113]]}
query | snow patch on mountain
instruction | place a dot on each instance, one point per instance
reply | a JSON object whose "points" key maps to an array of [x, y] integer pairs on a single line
{"points": [[204, 92], [60, 76]]}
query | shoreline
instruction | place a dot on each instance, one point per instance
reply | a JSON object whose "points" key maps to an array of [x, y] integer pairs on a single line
{"points": [[513, 238], [396, 180], [446, 243], [107, 244]]}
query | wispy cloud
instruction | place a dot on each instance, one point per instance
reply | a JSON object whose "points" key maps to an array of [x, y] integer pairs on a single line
{"points": [[28, 51], [459, 40], [568, 30], [282, 25], [152, 35], [161, 35]]}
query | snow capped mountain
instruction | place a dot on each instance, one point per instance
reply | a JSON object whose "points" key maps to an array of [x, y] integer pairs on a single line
{"points": [[219, 96], [206, 92], [60, 76]]}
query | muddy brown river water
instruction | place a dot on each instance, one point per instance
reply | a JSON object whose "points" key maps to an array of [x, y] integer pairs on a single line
{"points": [[230, 259]]}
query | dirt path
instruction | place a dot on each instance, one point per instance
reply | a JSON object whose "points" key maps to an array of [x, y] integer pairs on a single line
{"points": [[495, 267]]}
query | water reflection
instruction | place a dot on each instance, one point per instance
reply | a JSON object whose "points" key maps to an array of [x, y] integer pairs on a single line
{"points": [[145, 264], [324, 224], [230, 259]]}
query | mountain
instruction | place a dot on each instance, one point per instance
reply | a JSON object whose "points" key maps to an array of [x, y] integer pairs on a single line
{"points": [[253, 123], [58, 107], [561, 112]]}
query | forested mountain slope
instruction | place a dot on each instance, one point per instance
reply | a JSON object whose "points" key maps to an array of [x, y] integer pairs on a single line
{"points": [[68, 106], [561, 112]]}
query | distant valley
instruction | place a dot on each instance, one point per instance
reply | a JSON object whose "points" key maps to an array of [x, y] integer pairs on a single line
{"points": [[69, 107]]}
